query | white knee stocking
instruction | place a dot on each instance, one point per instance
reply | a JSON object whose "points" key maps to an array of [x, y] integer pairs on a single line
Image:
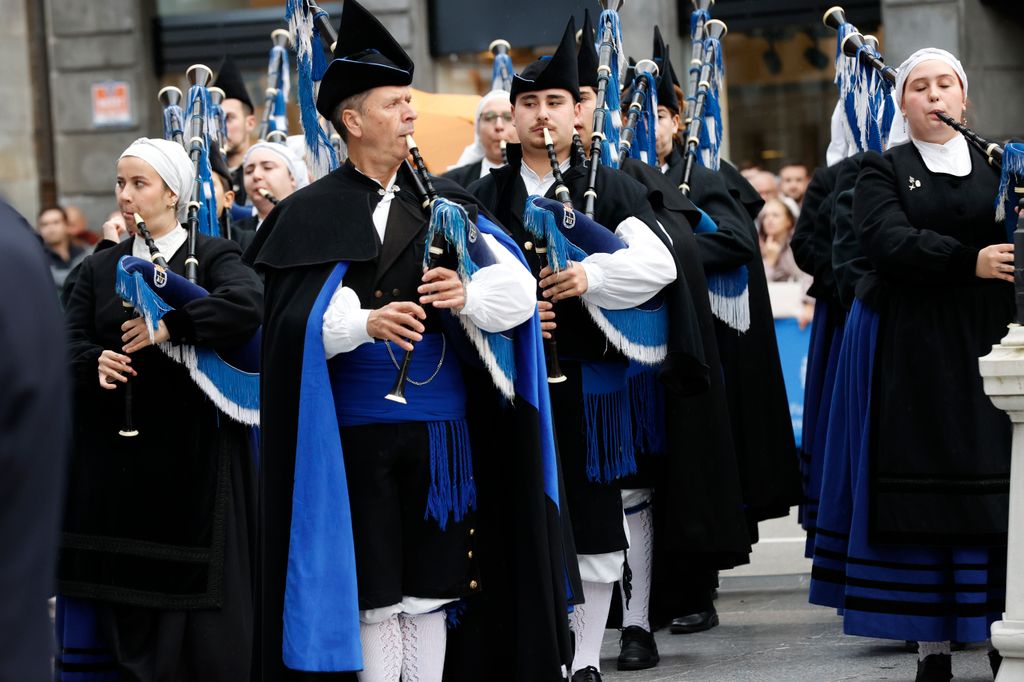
{"points": [[382, 651], [639, 555], [423, 638], [588, 623]]}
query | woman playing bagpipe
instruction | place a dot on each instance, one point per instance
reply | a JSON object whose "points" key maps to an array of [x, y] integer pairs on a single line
{"points": [[927, 504], [155, 564], [396, 508]]}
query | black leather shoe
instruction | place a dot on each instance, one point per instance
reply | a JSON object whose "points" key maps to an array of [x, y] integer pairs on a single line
{"points": [[695, 622], [935, 668], [638, 650], [995, 659], [588, 674]]}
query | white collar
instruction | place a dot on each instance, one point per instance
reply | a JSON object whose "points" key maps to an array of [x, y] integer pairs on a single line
{"points": [[952, 158], [168, 244], [529, 174], [486, 166], [390, 187]]}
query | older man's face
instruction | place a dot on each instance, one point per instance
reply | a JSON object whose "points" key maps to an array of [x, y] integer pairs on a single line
{"points": [[386, 117]]}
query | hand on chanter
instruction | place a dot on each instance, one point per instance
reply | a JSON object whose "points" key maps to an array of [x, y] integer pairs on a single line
{"points": [[442, 288], [136, 334], [398, 322], [547, 318], [995, 262], [565, 284], [112, 368]]}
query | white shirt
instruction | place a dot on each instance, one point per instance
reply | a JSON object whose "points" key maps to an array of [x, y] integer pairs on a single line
{"points": [[627, 277], [486, 166], [952, 158], [498, 297], [168, 244]]}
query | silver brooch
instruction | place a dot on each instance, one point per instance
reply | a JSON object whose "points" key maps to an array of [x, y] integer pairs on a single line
{"points": [[472, 233], [914, 183]]}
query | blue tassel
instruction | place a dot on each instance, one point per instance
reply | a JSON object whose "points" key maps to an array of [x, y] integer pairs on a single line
{"points": [[502, 64], [644, 145], [647, 401], [239, 388], [608, 423], [711, 132], [279, 112], [1012, 175], [199, 100], [311, 65], [727, 289], [452, 488], [172, 113], [540, 223], [132, 287], [613, 115]]}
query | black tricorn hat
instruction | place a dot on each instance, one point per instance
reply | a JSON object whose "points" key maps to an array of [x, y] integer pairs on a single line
{"points": [[587, 60], [229, 79], [666, 74], [366, 56], [556, 72], [217, 163]]}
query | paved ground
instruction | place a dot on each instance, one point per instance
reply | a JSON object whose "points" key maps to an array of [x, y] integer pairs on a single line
{"points": [[769, 633]]}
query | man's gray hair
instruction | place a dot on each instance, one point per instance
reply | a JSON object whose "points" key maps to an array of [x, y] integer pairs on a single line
{"points": [[354, 102]]}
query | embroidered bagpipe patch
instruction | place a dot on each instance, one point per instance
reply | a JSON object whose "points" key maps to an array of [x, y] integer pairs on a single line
{"points": [[495, 349], [229, 378], [640, 333]]}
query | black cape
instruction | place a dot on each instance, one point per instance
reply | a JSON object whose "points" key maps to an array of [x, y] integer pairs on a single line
{"points": [[464, 175], [519, 617], [758, 405]]}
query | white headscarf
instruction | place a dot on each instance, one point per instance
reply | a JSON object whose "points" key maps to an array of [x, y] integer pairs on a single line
{"points": [[924, 55], [296, 166], [474, 152], [171, 163]]}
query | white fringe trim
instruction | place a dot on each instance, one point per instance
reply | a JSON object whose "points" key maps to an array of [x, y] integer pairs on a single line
{"points": [[645, 355], [186, 355], [733, 310], [504, 384]]}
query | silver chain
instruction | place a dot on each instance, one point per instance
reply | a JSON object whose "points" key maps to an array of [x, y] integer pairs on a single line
{"points": [[437, 370]]}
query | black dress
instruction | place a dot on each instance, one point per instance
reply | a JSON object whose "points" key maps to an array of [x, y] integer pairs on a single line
{"points": [[941, 449], [158, 528]]}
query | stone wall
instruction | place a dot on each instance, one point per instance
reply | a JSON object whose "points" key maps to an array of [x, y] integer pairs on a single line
{"points": [[984, 36], [19, 171], [92, 42]]}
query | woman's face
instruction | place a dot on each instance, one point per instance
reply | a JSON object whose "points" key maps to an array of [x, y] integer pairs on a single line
{"points": [[496, 125], [140, 189], [665, 133], [266, 170], [932, 86], [775, 220]]}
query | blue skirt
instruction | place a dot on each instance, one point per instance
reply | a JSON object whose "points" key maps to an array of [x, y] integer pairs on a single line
{"points": [[82, 655], [893, 592], [822, 361]]}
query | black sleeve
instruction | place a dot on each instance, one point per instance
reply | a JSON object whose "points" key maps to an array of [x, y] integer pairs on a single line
{"points": [[80, 322], [232, 311], [804, 245], [896, 248], [735, 242], [34, 433]]}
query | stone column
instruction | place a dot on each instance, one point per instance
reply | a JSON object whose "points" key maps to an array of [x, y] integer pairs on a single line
{"points": [[1003, 374], [91, 42], [19, 172]]}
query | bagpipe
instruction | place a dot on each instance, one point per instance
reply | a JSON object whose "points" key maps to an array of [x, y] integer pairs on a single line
{"points": [[275, 97], [705, 105], [451, 229], [698, 18], [562, 234], [502, 71], [642, 119], [230, 378], [604, 138]]}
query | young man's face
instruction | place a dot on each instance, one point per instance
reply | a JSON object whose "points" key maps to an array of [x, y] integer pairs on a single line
{"points": [[553, 109]]}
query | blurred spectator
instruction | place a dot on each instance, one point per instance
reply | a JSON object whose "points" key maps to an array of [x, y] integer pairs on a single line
{"points": [[793, 181], [62, 253], [775, 226], [766, 184], [749, 172], [78, 227]]}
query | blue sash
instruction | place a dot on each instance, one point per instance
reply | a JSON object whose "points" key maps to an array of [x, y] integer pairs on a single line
{"points": [[361, 378]]}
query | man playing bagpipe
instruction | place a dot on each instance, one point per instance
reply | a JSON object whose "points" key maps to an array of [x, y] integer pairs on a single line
{"points": [[601, 299], [240, 116], [383, 509]]}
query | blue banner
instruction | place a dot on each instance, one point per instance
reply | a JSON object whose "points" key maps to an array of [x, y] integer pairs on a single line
{"points": [[793, 344]]}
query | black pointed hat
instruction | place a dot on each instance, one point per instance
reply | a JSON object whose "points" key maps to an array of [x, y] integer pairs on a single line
{"points": [[666, 81], [366, 56], [558, 71], [229, 79], [217, 162], [587, 60]]}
